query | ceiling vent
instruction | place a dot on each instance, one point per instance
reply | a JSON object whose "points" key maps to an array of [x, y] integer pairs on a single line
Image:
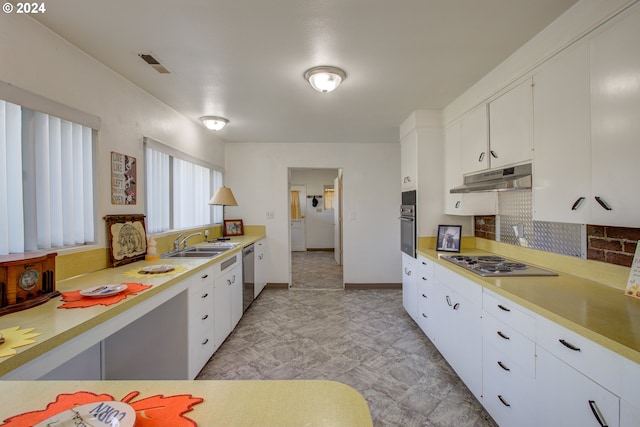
{"points": [[154, 63]]}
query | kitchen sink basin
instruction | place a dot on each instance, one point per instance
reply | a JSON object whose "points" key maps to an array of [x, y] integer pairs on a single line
{"points": [[204, 251]]}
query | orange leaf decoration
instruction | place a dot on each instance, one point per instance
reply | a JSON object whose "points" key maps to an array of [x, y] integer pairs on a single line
{"points": [[62, 403], [73, 299], [160, 411], [154, 411]]}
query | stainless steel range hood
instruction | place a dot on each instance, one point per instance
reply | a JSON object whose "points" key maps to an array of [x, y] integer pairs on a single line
{"points": [[513, 178]]}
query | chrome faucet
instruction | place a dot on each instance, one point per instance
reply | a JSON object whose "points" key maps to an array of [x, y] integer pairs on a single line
{"points": [[183, 242], [176, 243]]}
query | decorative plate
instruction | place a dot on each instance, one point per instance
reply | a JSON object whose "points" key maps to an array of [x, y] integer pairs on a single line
{"points": [[96, 414], [103, 291], [155, 269]]}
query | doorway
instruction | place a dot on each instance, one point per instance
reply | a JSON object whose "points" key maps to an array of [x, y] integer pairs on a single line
{"points": [[315, 218]]}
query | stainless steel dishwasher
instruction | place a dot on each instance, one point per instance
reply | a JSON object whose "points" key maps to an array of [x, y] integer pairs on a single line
{"points": [[247, 277]]}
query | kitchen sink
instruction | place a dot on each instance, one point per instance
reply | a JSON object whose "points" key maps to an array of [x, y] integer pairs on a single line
{"points": [[205, 251]]}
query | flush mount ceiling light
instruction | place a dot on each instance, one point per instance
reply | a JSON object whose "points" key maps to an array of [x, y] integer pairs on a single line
{"points": [[214, 122], [325, 78]]}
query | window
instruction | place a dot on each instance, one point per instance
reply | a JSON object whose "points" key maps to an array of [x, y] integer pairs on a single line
{"points": [[178, 189], [295, 205], [46, 180], [328, 197]]}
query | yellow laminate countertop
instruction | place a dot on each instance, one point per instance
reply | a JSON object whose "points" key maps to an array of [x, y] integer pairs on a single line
{"points": [[59, 326], [601, 313], [295, 403]]}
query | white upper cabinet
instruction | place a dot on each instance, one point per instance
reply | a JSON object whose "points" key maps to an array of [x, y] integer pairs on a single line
{"points": [[474, 137], [511, 127], [615, 115], [562, 129], [409, 160]]}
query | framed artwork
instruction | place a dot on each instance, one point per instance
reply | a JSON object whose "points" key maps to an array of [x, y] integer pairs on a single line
{"points": [[127, 238], [123, 179], [449, 238], [233, 227]]}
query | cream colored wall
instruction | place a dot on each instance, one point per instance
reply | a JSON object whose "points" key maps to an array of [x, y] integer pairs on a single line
{"points": [[258, 175], [35, 59]]}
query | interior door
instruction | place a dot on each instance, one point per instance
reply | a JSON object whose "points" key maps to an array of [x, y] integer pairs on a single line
{"points": [[337, 219], [298, 232]]}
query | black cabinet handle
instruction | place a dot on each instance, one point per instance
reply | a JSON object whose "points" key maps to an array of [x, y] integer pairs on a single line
{"points": [[424, 296], [456, 306], [205, 317], [493, 154], [503, 308], [503, 366], [204, 277], [204, 296], [424, 315], [602, 203], [481, 158], [504, 401], [205, 341], [503, 335], [577, 203], [457, 204], [569, 345], [448, 301], [596, 413]]}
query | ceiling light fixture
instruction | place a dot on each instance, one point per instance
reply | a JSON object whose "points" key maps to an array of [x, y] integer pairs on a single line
{"points": [[214, 122], [325, 78]]}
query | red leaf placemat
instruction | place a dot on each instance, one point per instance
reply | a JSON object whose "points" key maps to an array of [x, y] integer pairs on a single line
{"points": [[73, 299], [152, 411]]}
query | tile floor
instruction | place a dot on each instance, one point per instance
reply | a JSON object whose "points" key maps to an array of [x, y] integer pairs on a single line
{"points": [[362, 338], [315, 270]]}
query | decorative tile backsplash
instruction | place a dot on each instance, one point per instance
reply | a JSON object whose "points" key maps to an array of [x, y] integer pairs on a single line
{"points": [[614, 245]]}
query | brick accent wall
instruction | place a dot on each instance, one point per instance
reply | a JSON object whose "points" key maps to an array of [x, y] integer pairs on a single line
{"points": [[615, 245], [485, 226]]}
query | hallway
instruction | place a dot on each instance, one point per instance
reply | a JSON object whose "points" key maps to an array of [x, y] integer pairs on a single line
{"points": [[361, 338], [315, 270]]}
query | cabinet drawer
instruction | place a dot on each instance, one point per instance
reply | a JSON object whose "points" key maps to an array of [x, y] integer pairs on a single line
{"points": [[510, 313], [518, 350], [463, 286], [506, 394], [587, 357], [425, 268]]}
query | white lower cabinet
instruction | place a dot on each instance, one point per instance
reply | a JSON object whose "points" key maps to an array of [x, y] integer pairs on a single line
{"points": [[227, 297], [410, 285], [565, 397], [260, 267], [457, 314], [425, 294], [201, 320]]}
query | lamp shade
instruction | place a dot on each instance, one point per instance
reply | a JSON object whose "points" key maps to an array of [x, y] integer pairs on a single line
{"points": [[214, 122], [223, 197], [325, 79]]}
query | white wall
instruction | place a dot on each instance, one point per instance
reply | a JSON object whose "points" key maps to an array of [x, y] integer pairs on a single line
{"points": [[35, 59], [318, 220], [258, 175]]}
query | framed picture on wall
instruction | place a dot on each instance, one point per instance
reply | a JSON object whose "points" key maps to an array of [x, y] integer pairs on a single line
{"points": [[127, 238], [449, 238], [233, 227]]}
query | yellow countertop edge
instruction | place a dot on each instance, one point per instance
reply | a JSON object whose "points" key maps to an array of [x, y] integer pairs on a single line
{"points": [[606, 342], [45, 344], [279, 403]]}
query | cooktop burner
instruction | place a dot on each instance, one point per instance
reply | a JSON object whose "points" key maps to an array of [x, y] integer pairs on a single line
{"points": [[492, 266]]}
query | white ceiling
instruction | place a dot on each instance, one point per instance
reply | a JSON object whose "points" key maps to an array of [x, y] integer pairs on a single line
{"points": [[244, 59]]}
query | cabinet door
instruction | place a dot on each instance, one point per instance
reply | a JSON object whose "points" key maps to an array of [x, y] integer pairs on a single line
{"points": [[565, 397], [409, 161], [615, 107], [409, 286], [235, 302], [562, 139], [511, 127], [260, 267], [452, 169], [474, 140], [222, 309]]}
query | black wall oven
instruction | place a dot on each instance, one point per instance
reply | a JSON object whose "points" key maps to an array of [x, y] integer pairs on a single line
{"points": [[408, 221]]}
